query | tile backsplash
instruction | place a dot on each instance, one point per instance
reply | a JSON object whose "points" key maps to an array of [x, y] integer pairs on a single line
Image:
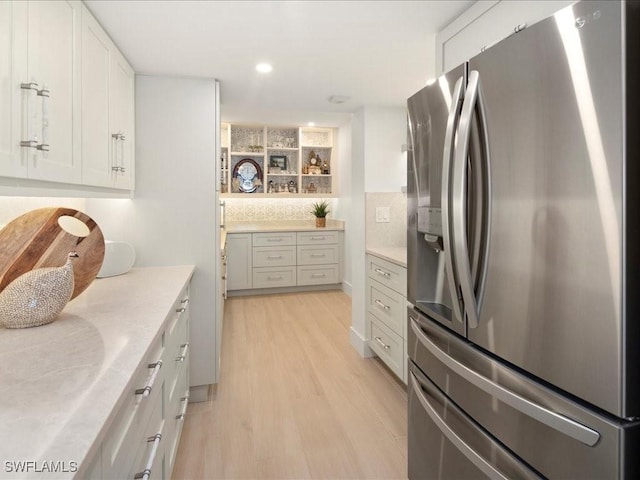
{"points": [[386, 234], [260, 209]]}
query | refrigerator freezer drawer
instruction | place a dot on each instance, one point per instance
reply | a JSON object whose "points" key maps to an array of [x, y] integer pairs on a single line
{"points": [[446, 444], [557, 436]]}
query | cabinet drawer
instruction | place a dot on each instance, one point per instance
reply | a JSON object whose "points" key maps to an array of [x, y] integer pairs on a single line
{"points": [[387, 345], [174, 423], [318, 255], [118, 451], [272, 238], [317, 238], [387, 305], [268, 277], [318, 274], [387, 273], [148, 449], [274, 256]]}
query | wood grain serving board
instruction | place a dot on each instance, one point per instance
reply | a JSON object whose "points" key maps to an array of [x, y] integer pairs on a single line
{"points": [[36, 240]]}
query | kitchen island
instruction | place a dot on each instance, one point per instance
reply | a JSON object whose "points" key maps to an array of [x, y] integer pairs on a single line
{"points": [[63, 384]]}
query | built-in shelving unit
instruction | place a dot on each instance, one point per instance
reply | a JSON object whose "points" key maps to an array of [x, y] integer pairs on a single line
{"points": [[263, 160]]}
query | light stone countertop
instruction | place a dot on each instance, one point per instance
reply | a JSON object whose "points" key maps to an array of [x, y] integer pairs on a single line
{"points": [[281, 226], [61, 384], [397, 255]]}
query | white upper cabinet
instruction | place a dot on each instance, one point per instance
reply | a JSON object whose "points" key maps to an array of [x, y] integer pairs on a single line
{"points": [[13, 67], [66, 97], [53, 101], [107, 110]]}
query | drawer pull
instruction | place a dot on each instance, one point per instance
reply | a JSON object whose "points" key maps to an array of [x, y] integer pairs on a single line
{"points": [[146, 473], [317, 238], [181, 310], [149, 386], [318, 275], [185, 403], [384, 345], [183, 353], [383, 273], [185, 301], [382, 305], [274, 257], [318, 255], [274, 239], [278, 277]]}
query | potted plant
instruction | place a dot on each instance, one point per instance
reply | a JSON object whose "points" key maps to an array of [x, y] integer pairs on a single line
{"points": [[320, 211]]}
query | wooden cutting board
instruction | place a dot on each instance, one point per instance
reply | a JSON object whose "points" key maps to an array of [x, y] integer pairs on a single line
{"points": [[36, 240]]}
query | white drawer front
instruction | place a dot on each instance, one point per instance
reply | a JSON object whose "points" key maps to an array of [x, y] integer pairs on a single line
{"points": [[269, 277], [144, 448], [387, 345], [318, 274], [318, 238], [318, 255], [272, 238], [274, 256], [387, 305], [387, 273]]}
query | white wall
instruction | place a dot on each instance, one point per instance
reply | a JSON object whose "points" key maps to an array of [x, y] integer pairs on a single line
{"points": [[343, 207], [12, 207], [172, 218], [385, 131]]}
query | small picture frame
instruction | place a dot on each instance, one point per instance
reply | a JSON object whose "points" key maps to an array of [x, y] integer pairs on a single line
{"points": [[278, 161]]}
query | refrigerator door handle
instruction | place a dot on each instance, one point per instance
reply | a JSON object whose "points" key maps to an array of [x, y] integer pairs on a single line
{"points": [[458, 201], [448, 151], [473, 456], [558, 422]]}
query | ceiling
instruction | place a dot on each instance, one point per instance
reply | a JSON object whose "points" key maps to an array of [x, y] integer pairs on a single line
{"points": [[376, 53]]}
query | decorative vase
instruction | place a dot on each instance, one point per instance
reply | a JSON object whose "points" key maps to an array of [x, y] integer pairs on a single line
{"points": [[321, 222], [37, 297]]}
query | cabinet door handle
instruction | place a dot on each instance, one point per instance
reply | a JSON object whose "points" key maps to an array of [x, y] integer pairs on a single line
{"points": [[30, 86], [382, 305], [383, 273], [318, 255], [146, 390], [318, 275], [185, 301], [274, 257], [274, 239], [279, 277], [317, 238], [384, 345], [146, 473], [29, 143], [181, 310], [183, 353], [185, 403]]}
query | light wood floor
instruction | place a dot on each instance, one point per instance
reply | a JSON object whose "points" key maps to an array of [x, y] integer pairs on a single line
{"points": [[295, 400]]}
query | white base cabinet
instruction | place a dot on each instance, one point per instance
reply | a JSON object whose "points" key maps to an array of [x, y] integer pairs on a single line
{"points": [[283, 259], [145, 435], [386, 298]]}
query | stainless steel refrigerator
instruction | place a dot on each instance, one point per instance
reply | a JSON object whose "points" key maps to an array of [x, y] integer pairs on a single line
{"points": [[524, 255]]}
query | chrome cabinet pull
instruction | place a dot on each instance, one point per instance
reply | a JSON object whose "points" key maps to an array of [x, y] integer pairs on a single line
{"points": [[44, 92], [183, 353], [185, 403], [318, 275], [274, 257], [317, 238], [279, 277], [181, 310], [384, 345], [146, 390], [30, 86], [382, 305], [274, 239], [43, 147], [318, 255], [383, 273], [29, 143], [185, 301], [146, 473]]}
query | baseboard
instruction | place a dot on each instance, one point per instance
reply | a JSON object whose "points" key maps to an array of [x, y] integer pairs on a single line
{"points": [[346, 287], [294, 289], [360, 344], [199, 394]]}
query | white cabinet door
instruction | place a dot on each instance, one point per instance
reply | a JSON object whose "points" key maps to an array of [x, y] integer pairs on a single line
{"points": [[239, 267], [96, 139], [53, 118], [13, 71], [122, 121]]}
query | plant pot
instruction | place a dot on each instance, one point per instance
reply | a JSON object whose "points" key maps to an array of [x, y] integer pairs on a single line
{"points": [[321, 222]]}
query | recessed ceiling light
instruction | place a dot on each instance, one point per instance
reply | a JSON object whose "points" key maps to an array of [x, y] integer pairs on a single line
{"points": [[311, 124], [264, 67], [338, 99]]}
